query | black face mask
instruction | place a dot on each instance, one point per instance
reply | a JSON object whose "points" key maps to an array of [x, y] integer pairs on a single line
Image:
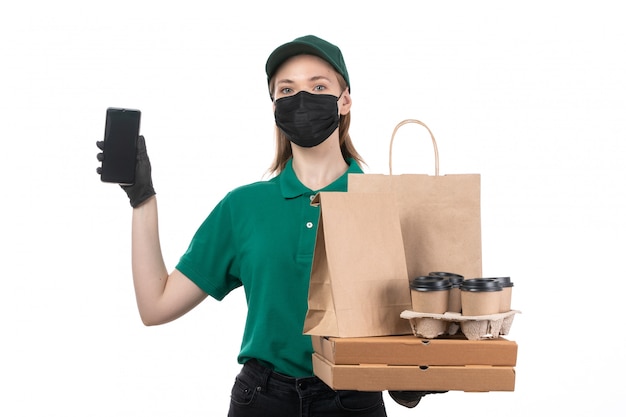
{"points": [[307, 119]]}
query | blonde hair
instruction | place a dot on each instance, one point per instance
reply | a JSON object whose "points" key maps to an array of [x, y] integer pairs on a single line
{"points": [[283, 145]]}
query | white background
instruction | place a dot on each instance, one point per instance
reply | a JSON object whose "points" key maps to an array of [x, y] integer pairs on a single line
{"points": [[531, 95]]}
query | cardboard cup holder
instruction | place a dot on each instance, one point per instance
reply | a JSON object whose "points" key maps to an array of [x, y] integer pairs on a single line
{"points": [[430, 326]]}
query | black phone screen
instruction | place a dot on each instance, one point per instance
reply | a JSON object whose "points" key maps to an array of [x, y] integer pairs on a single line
{"points": [[120, 145]]}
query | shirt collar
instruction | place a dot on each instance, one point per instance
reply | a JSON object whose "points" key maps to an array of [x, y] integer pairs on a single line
{"points": [[291, 186]]}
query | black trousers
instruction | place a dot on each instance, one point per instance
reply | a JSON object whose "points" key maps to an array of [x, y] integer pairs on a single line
{"points": [[260, 392]]}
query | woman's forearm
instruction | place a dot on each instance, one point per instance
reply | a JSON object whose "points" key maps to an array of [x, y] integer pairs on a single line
{"points": [[149, 271], [161, 297]]}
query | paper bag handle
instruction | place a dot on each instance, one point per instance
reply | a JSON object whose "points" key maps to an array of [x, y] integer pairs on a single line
{"points": [[393, 135]]}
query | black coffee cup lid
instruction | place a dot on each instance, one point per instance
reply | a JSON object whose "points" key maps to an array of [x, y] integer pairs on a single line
{"points": [[430, 283], [480, 285], [505, 282], [455, 279]]}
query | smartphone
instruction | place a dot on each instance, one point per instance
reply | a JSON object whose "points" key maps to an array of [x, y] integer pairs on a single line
{"points": [[120, 145]]}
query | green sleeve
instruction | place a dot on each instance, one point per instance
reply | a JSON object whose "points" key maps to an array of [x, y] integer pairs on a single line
{"points": [[211, 258]]}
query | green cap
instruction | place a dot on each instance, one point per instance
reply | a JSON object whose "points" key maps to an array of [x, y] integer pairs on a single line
{"points": [[311, 45]]}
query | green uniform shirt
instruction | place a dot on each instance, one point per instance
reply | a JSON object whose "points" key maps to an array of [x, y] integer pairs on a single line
{"points": [[262, 236]]}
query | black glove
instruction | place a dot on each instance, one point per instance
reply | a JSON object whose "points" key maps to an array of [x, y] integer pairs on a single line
{"points": [[142, 189], [410, 399]]}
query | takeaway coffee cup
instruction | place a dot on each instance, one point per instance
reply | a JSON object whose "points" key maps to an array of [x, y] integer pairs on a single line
{"points": [[507, 290], [429, 294], [454, 298], [480, 296]]}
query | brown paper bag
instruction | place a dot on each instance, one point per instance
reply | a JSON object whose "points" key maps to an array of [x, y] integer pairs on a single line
{"points": [[359, 283], [439, 215]]}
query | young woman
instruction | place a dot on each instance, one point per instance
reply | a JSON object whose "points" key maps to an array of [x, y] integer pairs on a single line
{"points": [[261, 236]]}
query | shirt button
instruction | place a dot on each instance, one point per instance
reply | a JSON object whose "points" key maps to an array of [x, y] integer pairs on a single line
{"points": [[311, 197], [309, 225]]}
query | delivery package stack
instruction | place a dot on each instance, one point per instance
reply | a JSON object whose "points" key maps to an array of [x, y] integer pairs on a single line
{"points": [[378, 245]]}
